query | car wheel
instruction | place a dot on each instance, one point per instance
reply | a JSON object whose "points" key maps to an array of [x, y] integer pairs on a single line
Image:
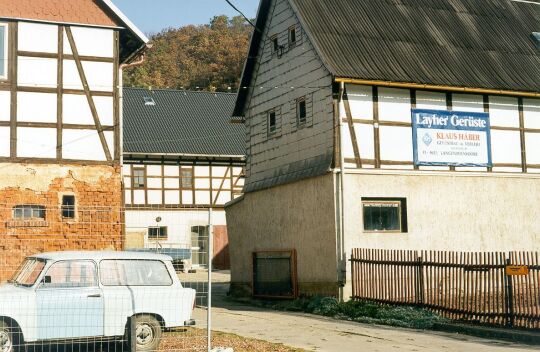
{"points": [[147, 333], [9, 338]]}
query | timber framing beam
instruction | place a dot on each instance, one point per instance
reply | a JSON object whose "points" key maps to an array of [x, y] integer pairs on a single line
{"points": [[89, 97], [352, 131]]}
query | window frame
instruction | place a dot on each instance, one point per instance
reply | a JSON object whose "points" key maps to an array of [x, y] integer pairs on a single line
{"points": [[134, 177], [402, 213], [190, 177], [274, 44], [4, 57], [69, 208], [33, 208], [290, 32], [269, 130], [299, 122], [158, 238]]}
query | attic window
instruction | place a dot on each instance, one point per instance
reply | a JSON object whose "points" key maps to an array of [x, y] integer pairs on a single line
{"points": [[148, 101]]}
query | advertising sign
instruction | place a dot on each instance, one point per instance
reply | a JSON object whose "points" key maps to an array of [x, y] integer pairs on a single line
{"points": [[451, 138]]}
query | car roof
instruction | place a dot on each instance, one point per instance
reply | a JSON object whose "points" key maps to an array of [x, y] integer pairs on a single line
{"points": [[100, 255]]}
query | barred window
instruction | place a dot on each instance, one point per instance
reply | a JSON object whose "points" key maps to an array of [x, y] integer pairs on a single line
{"points": [[139, 179], [157, 233], [186, 180], [68, 206], [29, 211]]}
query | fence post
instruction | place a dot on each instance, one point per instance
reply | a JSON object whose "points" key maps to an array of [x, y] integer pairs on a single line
{"points": [[420, 281], [353, 274], [509, 297]]}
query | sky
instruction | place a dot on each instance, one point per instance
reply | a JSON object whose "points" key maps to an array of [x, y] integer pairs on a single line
{"points": [[151, 16]]}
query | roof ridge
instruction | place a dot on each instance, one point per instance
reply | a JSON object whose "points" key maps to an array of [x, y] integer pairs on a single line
{"points": [[177, 90]]}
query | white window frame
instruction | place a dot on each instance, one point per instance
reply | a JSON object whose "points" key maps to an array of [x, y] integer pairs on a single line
{"points": [[5, 57]]}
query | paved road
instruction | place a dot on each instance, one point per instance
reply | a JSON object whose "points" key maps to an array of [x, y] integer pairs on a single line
{"points": [[323, 334]]}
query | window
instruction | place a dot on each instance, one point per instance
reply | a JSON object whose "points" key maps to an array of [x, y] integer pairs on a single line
{"points": [[71, 273], [157, 233], [292, 36], [3, 50], [138, 178], [29, 212], [301, 112], [272, 126], [186, 180], [275, 44], [68, 206], [385, 214], [28, 272], [134, 273]]}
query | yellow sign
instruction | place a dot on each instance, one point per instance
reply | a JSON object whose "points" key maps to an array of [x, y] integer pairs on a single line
{"points": [[517, 270]]}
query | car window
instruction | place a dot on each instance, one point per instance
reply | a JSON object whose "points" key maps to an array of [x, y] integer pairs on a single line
{"points": [[134, 273], [72, 273]]}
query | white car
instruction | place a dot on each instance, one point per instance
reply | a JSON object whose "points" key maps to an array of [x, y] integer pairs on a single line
{"points": [[61, 296]]}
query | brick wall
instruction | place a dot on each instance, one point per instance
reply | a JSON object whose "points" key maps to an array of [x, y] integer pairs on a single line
{"points": [[98, 218]]}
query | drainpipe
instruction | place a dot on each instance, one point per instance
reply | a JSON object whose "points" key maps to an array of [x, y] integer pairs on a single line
{"points": [[341, 255]]}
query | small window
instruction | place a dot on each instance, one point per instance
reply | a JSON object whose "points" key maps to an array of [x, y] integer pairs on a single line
{"points": [[138, 178], [384, 214], [292, 36], [157, 233], [186, 180], [301, 112], [272, 125], [68, 206], [275, 44], [29, 212], [3, 50]]}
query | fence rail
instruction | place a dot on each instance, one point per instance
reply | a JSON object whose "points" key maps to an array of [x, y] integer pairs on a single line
{"points": [[475, 287]]}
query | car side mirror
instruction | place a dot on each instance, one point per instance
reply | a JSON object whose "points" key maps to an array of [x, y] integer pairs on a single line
{"points": [[46, 280]]}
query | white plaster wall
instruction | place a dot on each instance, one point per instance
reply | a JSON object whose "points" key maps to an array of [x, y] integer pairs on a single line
{"points": [[531, 113], [82, 145], [36, 107], [532, 148], [506, 147], [451, 212], [36, 142], [75, 110], [178, 223], [36, 72], [503, 111], [91, 41], [430, 100], [5, 105], [37, 37], [394, 104], [72, 79], [99, 75], [4, 141]]}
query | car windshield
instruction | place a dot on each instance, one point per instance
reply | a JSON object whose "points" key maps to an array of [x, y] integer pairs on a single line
{"points": [[28, 272]]}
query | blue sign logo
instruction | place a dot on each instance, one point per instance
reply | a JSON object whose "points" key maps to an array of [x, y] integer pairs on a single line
{"points": [[427, 139]]}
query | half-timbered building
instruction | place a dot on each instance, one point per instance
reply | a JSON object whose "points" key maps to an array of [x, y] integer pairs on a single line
{"points": [[387, 124], [182, 157], [60, 88]]}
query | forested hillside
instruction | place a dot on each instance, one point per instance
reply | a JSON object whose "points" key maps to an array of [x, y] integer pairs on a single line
{"points": [[205, 57]]}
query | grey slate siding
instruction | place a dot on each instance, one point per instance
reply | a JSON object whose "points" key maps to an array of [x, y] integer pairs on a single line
{"points": [[293, 152]]}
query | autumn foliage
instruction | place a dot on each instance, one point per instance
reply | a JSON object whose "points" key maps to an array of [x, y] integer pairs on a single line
{"points": [[205, 57]]}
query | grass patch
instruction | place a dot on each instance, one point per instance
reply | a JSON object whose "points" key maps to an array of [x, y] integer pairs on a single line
{"points": [[359, 311]]}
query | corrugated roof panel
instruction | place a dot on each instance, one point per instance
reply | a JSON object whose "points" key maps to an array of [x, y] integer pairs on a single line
{"points": [[181, 122]]}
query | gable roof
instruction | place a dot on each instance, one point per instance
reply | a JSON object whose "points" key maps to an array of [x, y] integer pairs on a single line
{"points": [[181, 123], [460, 43], [101, 13]]}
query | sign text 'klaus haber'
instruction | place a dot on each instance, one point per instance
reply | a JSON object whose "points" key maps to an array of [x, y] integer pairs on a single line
{"points": [[451, 138]]}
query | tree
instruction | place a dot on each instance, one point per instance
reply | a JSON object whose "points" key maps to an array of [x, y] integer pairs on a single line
{"points": [[205, 57]]}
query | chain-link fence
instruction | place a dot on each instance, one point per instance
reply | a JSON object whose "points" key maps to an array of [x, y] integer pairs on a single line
{"points": [[104, 278]]}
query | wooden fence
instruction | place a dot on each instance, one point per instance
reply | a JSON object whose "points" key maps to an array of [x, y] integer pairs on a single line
{"points": [[493, 288]]}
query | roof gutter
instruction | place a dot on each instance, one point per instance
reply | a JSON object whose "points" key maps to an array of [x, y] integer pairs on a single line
{"points": [[187, 155], [436, 87]]}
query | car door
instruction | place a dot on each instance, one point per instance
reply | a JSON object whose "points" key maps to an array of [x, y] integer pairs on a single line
{"points": [[70, 301]]}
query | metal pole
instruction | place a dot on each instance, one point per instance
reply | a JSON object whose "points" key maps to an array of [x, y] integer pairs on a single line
{"points": [[210, 258]]}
